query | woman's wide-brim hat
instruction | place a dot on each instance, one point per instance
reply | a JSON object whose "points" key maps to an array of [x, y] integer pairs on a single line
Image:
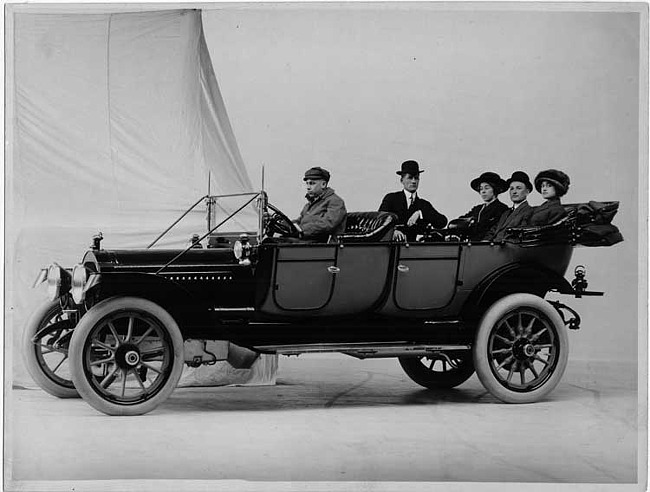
{"points": [[410, 167], [493, 179], [520, 177], [557, 178]]}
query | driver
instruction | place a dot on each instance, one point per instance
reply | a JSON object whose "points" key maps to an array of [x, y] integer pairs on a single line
{"points": [[324, 214]]}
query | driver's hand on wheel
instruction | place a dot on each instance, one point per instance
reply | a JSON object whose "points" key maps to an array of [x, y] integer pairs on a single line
{"points": [[300, 233], [399, 236]]}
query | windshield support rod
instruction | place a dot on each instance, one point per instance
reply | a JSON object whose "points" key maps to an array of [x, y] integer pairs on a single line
{"points": [[252, 193], [255, 195], [178, 220]]}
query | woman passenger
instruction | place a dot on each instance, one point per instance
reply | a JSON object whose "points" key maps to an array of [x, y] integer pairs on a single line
{"points": [[552, 184], [486, 215]]}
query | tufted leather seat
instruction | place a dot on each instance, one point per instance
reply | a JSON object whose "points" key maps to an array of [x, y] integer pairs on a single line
{"points": [[368, 227]]}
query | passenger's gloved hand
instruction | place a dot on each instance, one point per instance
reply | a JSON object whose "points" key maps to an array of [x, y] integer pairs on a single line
{"points": [[417, 215], [399, 236]]}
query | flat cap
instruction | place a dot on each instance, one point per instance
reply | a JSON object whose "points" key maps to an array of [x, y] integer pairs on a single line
{"points": [[317, 173]]}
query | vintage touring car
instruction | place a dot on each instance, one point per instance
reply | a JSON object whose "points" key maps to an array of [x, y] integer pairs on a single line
{"points": [[121, 324]]}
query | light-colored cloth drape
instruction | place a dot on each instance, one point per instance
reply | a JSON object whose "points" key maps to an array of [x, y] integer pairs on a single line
{"points": [[117, 122]]}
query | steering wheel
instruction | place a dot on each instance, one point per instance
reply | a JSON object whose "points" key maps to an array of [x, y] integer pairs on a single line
{"points": [[278, 223]]}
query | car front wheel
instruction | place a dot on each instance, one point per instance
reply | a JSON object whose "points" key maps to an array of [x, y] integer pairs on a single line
{"points": [[439, 371], [126, 356], [521, 349], [45, 349]]}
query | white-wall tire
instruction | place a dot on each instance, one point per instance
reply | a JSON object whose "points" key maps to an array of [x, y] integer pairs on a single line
{"points": [[521, 349], [126, 356], [45, 342]]}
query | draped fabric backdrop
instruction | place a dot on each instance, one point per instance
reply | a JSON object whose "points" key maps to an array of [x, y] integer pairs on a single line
{"points": [[118, 122]]}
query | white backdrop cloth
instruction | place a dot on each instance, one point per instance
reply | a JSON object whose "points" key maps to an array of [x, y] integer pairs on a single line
{"points": [[117, 123]]}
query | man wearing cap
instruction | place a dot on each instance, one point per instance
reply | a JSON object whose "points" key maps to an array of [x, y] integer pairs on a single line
{"points": [[519, 186], [324, 214], [414, 214]]}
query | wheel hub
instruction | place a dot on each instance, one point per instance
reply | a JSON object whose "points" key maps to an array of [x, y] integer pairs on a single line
{"points": [[522, 349], [127, 356]]}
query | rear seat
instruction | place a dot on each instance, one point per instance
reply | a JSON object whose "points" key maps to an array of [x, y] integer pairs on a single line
{"points": [[368, 227]]}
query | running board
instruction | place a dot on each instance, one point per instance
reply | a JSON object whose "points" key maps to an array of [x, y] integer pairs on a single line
{"points": [[363, 350]]}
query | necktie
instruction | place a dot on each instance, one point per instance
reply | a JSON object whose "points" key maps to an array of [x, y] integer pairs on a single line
{"points": [[412, 199]]}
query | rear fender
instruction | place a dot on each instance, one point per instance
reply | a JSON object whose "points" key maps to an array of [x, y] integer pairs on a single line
{"points": [[511, 279]]}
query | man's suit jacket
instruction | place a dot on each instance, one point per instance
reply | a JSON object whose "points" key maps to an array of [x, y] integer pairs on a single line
{"points": [[485, 217], [517, 218], [397, 204]]}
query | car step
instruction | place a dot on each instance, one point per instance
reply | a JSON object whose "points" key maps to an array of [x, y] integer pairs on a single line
{"points": [[363, 350]]}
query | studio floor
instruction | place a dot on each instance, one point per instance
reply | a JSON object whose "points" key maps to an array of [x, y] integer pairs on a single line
{"points": [[332, 418]]}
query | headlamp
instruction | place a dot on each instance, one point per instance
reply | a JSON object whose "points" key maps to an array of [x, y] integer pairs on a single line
{"points": [[242, 250], [58, 281], [53, 281], [79, 278]]}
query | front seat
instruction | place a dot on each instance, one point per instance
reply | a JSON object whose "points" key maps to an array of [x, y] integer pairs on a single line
{"points": [[368, 227]]}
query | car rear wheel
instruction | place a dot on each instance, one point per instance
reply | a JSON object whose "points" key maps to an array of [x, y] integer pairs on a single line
{"points": [[126, 356], [46, 339], [439, 371], [521, 349]]}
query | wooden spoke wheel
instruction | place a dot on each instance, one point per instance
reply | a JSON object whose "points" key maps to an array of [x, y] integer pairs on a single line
{"points": [[46, 340], [521, 349], [126, 356]]}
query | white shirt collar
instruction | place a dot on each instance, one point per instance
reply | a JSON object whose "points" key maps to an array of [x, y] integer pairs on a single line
{"points": [[516, 205], [409, 194]]}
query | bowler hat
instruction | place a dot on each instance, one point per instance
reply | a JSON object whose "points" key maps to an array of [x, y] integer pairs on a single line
{"points": [[317, 173], [410, 167], [493, 179], [521, 177], [557, 178]]}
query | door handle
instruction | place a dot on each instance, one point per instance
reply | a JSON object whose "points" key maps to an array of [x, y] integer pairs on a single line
{"points": [[403, 268], [333, 269]]}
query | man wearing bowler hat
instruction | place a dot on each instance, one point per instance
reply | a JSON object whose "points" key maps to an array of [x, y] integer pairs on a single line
{"points": [[323, 216], [519, 186], [414, 214]]}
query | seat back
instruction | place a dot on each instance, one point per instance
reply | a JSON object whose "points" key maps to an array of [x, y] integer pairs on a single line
{"points": [[562, 231], [368, 227], [593, 212]]}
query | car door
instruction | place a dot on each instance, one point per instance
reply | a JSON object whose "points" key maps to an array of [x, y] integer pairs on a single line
{"points": [[361, 276], [425, 275], [304, 276]]}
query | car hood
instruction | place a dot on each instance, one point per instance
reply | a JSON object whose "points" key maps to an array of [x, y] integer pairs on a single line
{"points": [[152, 260]]}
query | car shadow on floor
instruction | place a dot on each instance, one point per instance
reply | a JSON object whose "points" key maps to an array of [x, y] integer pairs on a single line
{"points": [[324, 395]]}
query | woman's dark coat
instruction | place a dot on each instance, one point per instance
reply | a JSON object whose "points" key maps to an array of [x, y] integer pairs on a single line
{"points": [[485, 217], [547, 213]]}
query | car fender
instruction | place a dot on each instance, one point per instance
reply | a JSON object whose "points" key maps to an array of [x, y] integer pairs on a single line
{"points": [[531, 278]]}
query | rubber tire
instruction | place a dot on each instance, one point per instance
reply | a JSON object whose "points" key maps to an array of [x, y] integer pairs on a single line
{"points": [[481, 361], [36, 322], [415, 370], [95, 315]]}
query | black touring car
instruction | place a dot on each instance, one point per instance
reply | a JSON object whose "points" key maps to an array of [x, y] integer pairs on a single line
{"points": [[120, 325]]}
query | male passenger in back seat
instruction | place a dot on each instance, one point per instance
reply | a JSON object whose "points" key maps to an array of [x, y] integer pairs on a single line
{"points": [[414, 214], [519, 186], [323, 217]]}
